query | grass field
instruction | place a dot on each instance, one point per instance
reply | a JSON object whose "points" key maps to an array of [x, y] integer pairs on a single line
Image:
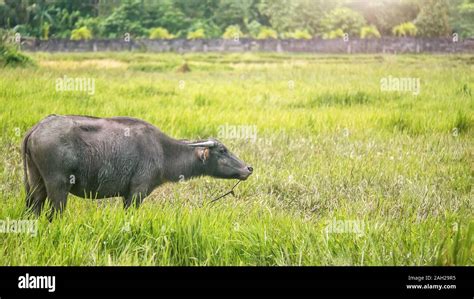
{"points": [[345, 173]]}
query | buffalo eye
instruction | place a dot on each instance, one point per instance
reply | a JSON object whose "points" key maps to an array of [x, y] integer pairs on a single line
{"points": [[222, 150]]}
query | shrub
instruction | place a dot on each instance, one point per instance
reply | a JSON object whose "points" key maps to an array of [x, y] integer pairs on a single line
{"points": [[93, 24], [45, 31], [199, 33], [81, 33], [266, 33], [9, 53], [160, 33], [232, 32], [338, 33], [299, 34], [369, 32], [405, 29]]}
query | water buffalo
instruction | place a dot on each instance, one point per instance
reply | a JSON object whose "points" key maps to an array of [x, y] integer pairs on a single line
{"points": [[109, 157]]}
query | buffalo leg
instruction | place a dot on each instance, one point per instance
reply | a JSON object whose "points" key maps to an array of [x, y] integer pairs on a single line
{"points": [[35, 200], [134, 199], [57, 194], [136, 196], [37, 191]]}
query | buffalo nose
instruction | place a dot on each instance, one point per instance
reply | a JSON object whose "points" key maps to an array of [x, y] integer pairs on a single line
{"points": [[250, 168]]}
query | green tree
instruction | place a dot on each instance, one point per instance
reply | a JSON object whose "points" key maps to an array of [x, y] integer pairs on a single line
{"points": [[237, 12], [433, 19], [254, 28], [462, 17], [309, 14], [40, 12], [343, 18], [280, 13], [164, 13], [386, 14], [125, 19]]}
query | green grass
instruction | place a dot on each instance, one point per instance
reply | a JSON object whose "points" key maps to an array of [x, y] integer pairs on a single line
{"points": [[331, 146]]}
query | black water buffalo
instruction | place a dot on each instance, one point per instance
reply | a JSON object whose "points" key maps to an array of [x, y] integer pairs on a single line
{"points": [[109, 157]]}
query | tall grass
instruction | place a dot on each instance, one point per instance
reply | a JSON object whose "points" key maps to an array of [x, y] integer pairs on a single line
{"points": [[331, 147]]}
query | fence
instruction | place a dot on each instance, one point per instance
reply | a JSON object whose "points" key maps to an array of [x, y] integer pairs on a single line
{"points": [[382, 45]]}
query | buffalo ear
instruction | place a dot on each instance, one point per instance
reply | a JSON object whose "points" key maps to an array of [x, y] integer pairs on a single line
{"points": [[203, 154]]}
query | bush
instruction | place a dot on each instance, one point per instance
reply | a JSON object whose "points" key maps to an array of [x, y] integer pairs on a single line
{"points": [[81, 34], [93, 24], [196, 34], [45, 31], [405, 29], [232, 32], [298, 34], [9, 53], [369, 32], [338, 33], [160, 33], [266, 33]]}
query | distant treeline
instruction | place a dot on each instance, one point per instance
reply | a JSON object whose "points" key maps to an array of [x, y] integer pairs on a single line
{"points": [[263, 19]]}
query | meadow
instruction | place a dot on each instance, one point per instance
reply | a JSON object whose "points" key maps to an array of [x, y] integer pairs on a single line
{"points": [[345, 173]]}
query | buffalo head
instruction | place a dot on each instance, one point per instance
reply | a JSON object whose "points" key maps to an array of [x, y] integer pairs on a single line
{"points": [[219, 162]]}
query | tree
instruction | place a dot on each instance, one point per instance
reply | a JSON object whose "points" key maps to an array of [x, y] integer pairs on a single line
{"points": [[280, 13], [237, 12], [309, 14], [433, 19], [343, 18], [164, 13], [254, 28], [385, 14], [125, 19], [462, 17]]}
